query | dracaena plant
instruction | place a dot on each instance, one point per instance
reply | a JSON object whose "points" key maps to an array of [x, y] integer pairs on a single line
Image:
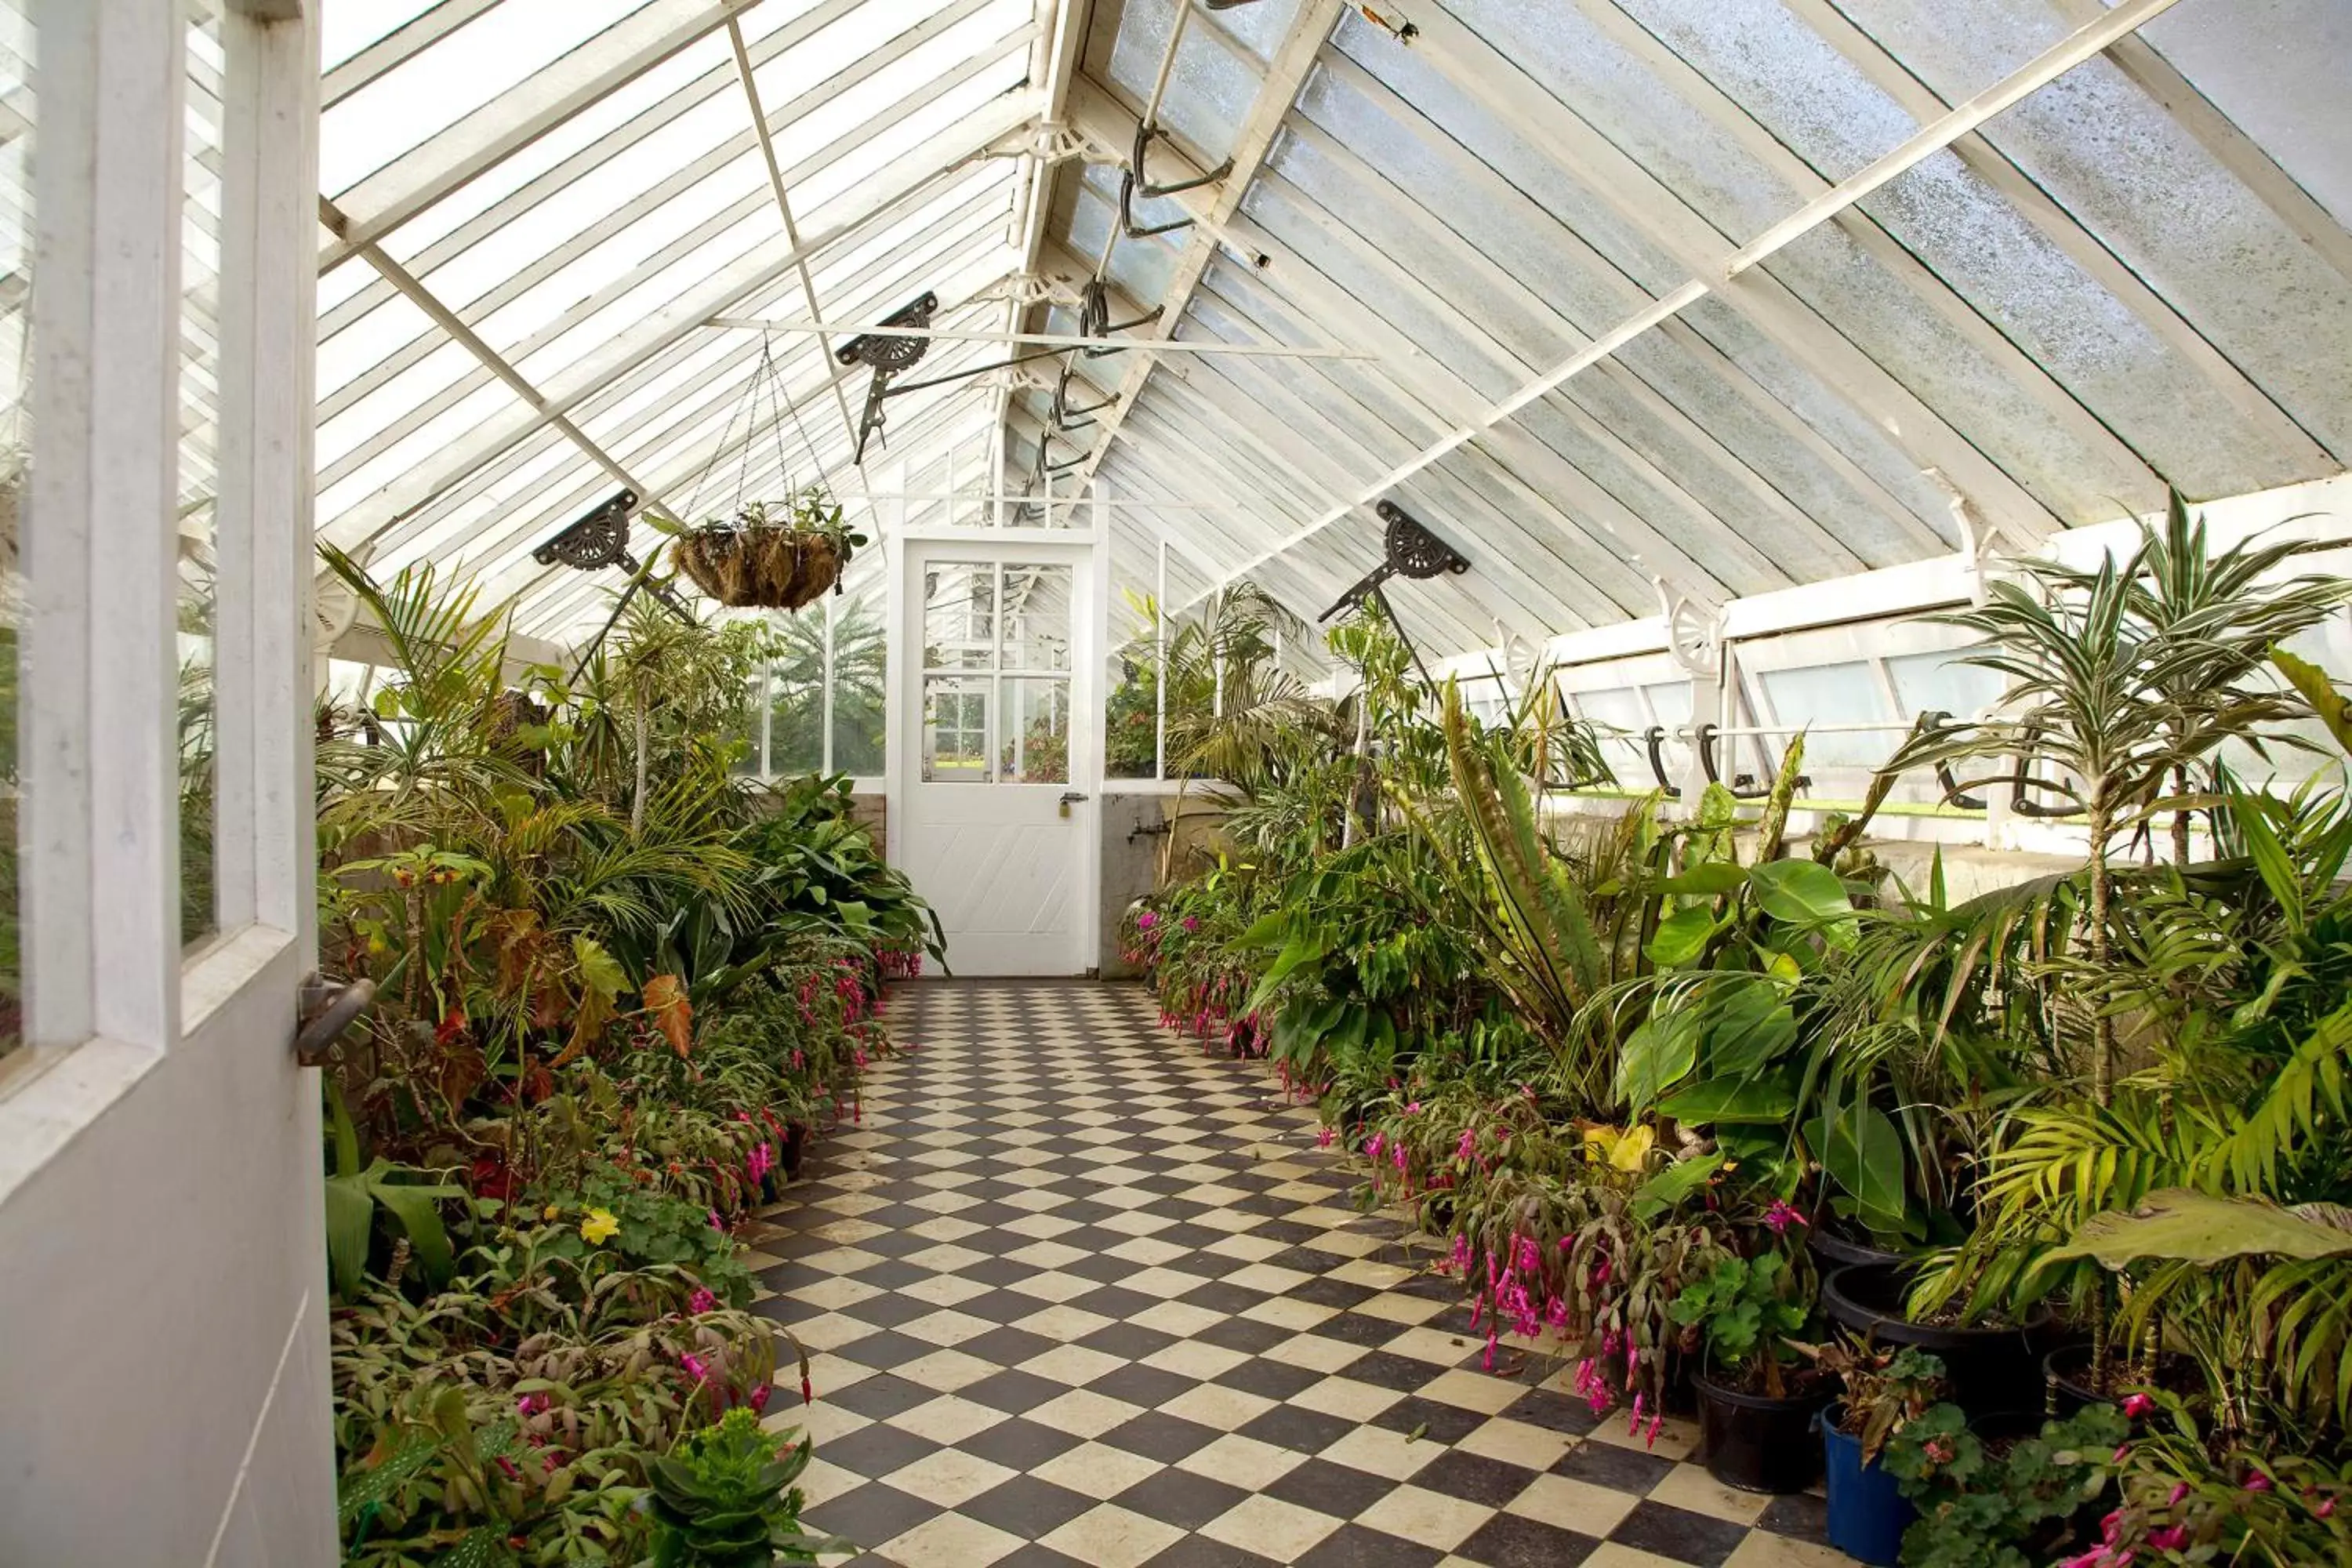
{"points": [[2127, 679]]}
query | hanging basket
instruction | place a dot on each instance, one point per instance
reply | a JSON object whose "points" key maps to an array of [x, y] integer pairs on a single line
{"points": [[755, 563]]}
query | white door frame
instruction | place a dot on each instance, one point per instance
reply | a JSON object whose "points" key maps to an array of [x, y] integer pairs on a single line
{"points": [[160, 1179], [1088, 549]]}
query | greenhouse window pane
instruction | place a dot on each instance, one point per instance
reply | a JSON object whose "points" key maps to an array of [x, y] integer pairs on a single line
{"points": [[955, 729], [860, 677], [199, 475], [1036, 745]]}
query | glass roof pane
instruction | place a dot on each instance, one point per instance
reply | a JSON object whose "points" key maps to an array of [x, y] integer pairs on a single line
{"points": [[490, 56]]}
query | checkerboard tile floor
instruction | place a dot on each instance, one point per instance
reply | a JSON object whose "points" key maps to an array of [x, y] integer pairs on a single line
{"points": [[1077, 1293]]}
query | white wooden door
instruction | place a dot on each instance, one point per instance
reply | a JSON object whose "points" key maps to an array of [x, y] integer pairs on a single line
{"points": [[164, 1357], [1000, 683]]}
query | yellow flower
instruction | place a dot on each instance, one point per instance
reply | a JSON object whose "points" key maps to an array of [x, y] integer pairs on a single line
{"points": [[598, 1228], [549, 1213]]}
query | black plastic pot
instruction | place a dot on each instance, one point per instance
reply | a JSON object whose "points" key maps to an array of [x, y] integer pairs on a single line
{"points": [[2067, 1379], [1755, 1443], [1836, 1252], [1990, 1368]]}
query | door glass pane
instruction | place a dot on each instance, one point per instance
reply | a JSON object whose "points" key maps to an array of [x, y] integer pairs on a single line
{"points": [[860, 672], [1035, 747], [955, 729], [16, 89], [1036, 617], [200, 228], [796, 695], [959, 615]]}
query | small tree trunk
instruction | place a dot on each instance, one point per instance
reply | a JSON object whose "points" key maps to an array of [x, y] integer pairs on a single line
{"points": [[2180, 819], [2102, 1028], [637, 805]]}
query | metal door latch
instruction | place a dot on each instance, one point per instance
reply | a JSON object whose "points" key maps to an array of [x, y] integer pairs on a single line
{"points": [[326, 1010], [1070, 797]]}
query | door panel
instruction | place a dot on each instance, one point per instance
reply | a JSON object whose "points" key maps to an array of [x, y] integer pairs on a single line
{"points": [[998, 827]]}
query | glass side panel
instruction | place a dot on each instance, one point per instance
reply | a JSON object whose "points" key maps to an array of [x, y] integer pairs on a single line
{"points": [[955, 729], [198, 394], [1939, 683], [797, 681], [1829, 694], [20, 90], [860, 673], [1035, 747]]}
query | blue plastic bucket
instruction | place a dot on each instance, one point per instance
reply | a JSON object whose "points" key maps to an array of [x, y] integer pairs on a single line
{"points": [[1867, 1513]]}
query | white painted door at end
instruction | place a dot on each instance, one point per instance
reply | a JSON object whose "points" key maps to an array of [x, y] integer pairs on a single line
{"points": [[999, 828]]}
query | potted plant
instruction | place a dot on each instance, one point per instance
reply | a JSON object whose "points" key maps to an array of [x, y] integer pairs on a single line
{"points": [[1882, 1391], [780, 558], [1988, 1499], [1993, 1364], [1758, 1394]]}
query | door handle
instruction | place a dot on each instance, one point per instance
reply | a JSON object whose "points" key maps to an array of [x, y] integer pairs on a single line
{"points": [[326, 1010], [1071, 798]]}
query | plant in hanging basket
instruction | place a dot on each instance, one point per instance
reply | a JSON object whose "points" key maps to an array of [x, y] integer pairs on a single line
{"points": [[780, 558]]}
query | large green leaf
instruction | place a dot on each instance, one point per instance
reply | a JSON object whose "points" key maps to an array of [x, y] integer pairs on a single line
{"points": [[1801, 893], [1708, 878], [1862, 1153], [1731, 1101], [1748, 1024], [2178, 1225], [350, 1215], [1682, 936], [1656, 1057]]}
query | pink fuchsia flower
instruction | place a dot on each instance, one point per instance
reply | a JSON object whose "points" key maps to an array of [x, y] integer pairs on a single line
{"points": [[1396, 1154], [2171, 1538], [530, 1405], [695, 1367], [1781, 1217], [808, 1395], [701, 1301], [1323, 1139], [716, 1223], [2258, 1482], [2327, 1509], [507, 1465], [1373, 1145], [1412, 1108], [1656, 1422], [760, 1397], [1146, 920], [762, 1161], [2138, 1404], [1191, 924], [2179, 1490]]}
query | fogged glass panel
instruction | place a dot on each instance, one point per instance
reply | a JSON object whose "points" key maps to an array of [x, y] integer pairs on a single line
{"points": [[751, 754], [860, 675], [796, 695], [1939, 683], [1620, 718], [955, 729], [1131, 713], [200, 228], [1828, 694], [17, 89], [1036, 606], [959, 615], [1036, 745]]}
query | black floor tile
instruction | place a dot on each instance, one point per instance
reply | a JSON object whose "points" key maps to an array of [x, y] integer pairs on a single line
{"points": [[870, 1515], [1180, 1498], [1508, 1541], [1297, 1429], [1013, 1390], [1435, 1421], [880, 1397], [1018, 1443], [1353, 1546], [1475, 1478], [1675, 1534], [1620, 1470], [1243, 1334], [1271, 1379], [1330, 1489], [1802, 1515], [1026, 1505], [1558, 1412], [1147, 1386], [875, 1451], [1157, 1436], [1007, 1346], [1400, 1374]]}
